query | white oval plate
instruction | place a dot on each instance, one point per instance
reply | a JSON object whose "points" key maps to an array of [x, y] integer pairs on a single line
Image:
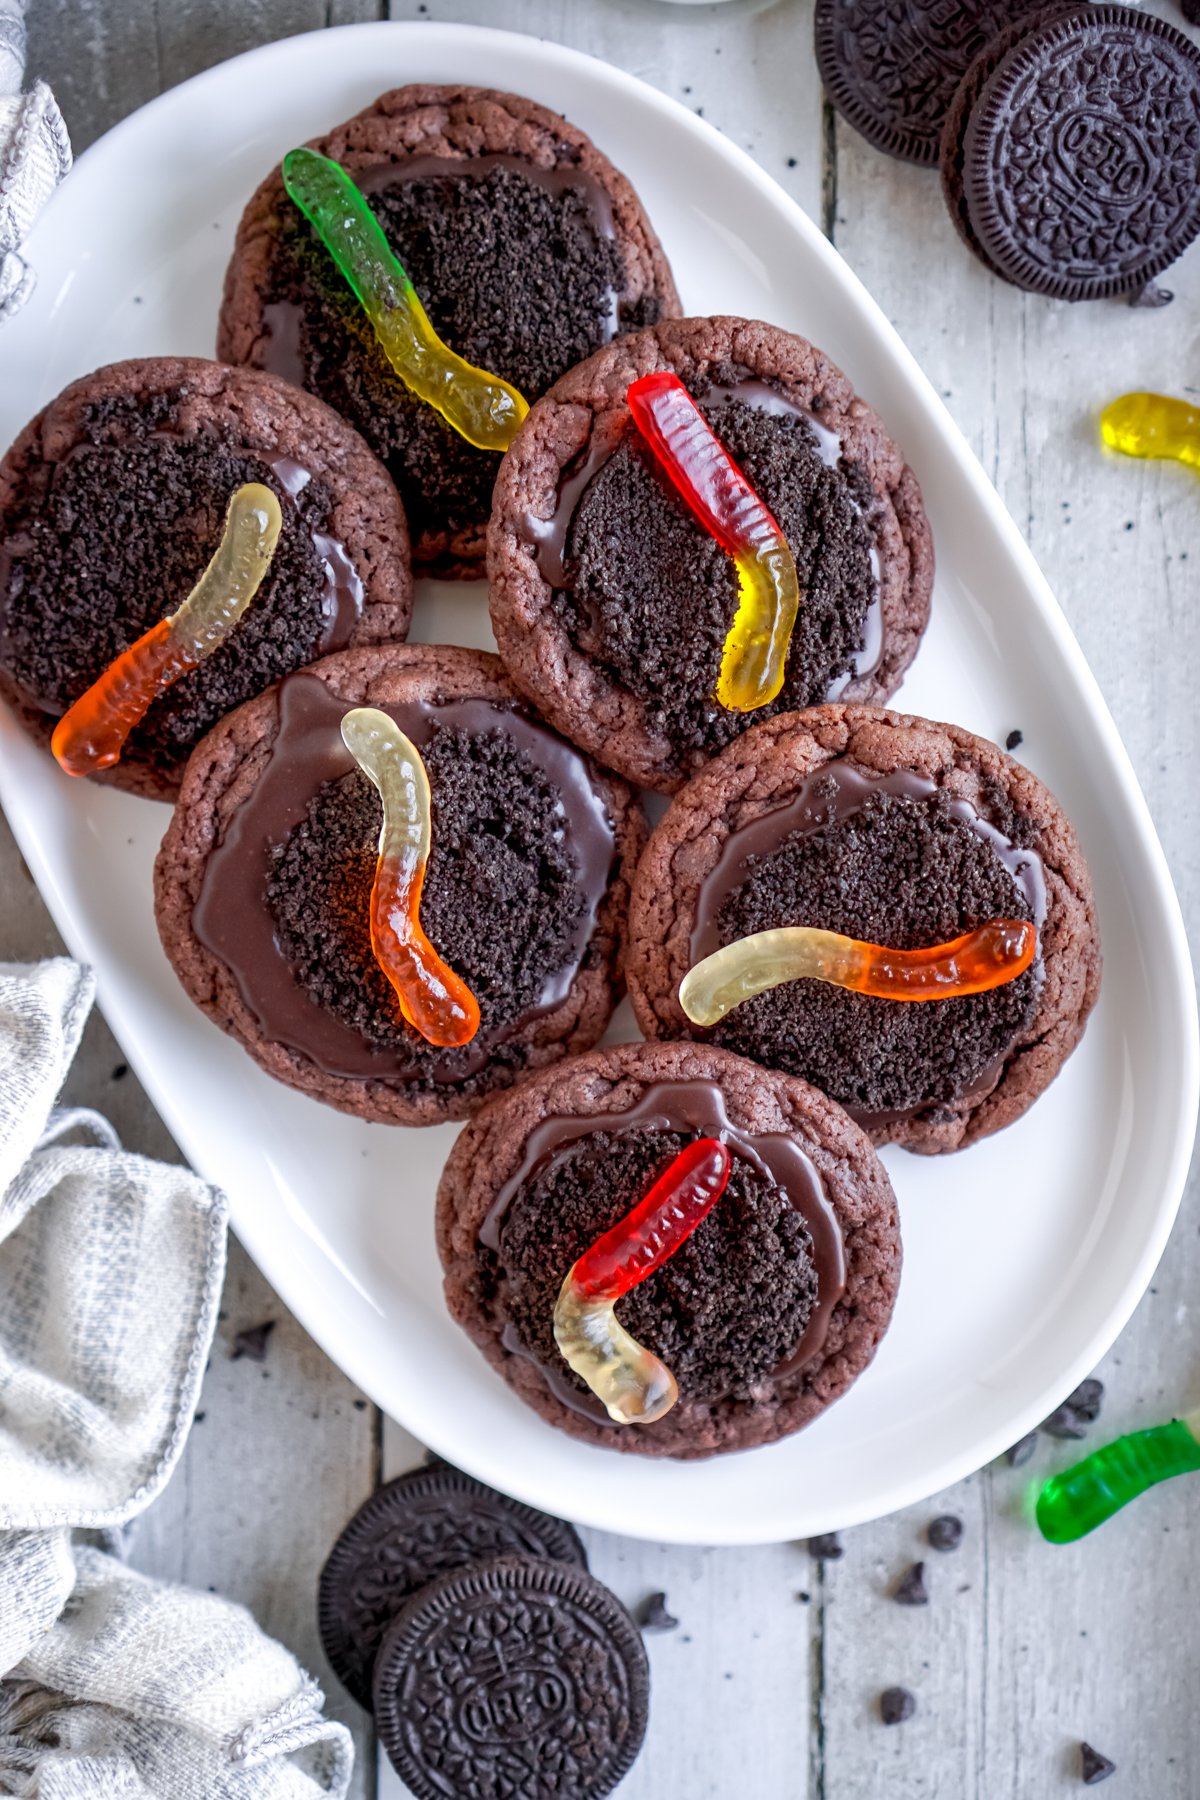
{"points": [[1024, 1256]]}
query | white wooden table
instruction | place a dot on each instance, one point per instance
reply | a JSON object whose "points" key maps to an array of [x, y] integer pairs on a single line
{"points": [[768, 1688]]}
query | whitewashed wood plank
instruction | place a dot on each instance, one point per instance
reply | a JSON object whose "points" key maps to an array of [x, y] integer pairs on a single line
{"points": [[746, 69], [729, 1707], [280, 1455], [1049, 1646]]}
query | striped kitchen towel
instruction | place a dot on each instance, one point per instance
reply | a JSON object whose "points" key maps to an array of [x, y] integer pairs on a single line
{"points": [[113, 1685]]}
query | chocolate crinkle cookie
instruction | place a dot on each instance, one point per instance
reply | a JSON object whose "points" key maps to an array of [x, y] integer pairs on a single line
{"points": [[764, 1315], [903, 833], [611, 604], [263, 885], [112, 502], [527, 248]]}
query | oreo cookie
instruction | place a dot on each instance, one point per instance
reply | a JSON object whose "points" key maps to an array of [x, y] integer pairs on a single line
{"points": [[891, 67], [516, 1677], [421, 1526], [1070, 160]]}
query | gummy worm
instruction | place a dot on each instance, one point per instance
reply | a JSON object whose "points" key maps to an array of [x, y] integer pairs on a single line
{"points": [[1153, 425], [432, 997], [1074, 1503], [634, 1385], [480, 407], [988, 957], [91, 735], [718, 494]]}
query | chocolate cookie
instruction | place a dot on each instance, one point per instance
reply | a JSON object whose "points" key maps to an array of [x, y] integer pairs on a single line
{"points": [[901, 832], [112, 502], [1069, 159], [263, 884], [513, 1678], [891, 66], [417, 1527], [764, 1315], [611, 605], [527, 248], [973, 82]]}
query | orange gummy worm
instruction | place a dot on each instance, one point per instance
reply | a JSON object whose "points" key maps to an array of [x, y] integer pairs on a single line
{"points": [[985, 958], [91, 735], [433, 999]]}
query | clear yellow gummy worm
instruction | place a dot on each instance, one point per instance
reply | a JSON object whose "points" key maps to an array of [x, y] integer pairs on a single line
{"points": [[432, 997], [971, 964], [1153, 425], [91, 735], [754, 659], [634, 1384], [480, 407]]}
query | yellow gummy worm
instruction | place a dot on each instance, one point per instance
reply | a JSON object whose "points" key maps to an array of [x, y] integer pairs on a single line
{"points": [[480, 407], [1153, 425], [635, 1386]]}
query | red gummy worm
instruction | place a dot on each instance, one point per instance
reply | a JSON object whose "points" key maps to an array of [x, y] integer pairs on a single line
{"points": [[698, 463], [657, 1225]]}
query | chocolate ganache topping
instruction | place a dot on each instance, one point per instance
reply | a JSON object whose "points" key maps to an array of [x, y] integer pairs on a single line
{"points": [[748, 1296], [894, 860], [523, 851]]}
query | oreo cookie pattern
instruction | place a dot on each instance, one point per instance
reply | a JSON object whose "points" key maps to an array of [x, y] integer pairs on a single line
{"points": [[1081, 158], [517, 1678], [419, 1526], [891, 66]]}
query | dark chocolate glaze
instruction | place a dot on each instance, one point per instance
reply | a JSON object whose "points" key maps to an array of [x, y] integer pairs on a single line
{"points": [[551, 536], [233, 920], [694, 1108], [342, 602], [832, 793], [283, 353]]}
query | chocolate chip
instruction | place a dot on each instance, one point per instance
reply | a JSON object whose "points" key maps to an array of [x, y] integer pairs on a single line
{"points": [[1087, 1399], [911, 1590], [1152, 295], [653, 1614], [1014, 740], [253, 1342], [826, 1548], [1018, 1454], [945, 1532], [896, 1704], [1093, 1767], [1065, 1422]]}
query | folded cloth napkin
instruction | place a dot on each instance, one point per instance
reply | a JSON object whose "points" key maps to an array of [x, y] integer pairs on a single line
{"points": [[35, 154], [113, 1685]]}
